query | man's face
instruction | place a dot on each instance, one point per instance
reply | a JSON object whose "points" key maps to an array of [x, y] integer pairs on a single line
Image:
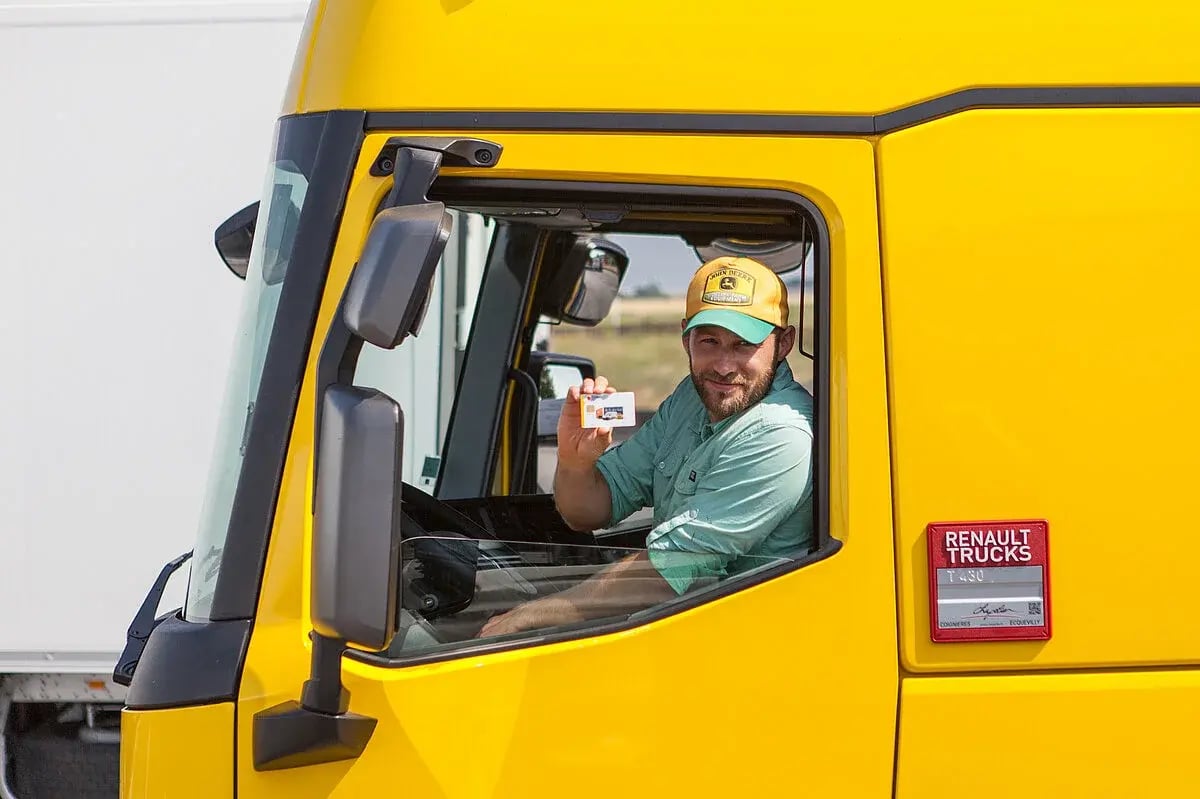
{"points": [[731, 374]]}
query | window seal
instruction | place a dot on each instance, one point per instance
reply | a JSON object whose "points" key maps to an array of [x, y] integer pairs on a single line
{"points": [[826, 546]]}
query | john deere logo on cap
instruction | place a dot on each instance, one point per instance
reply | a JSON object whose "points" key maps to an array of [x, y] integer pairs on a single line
{"points": [[728, 287]]}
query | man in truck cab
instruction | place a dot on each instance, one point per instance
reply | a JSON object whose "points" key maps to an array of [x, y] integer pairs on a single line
{"points": [[726, 461]]}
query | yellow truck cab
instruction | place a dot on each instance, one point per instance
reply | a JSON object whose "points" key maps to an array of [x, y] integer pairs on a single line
{"points": [[989, 224]]}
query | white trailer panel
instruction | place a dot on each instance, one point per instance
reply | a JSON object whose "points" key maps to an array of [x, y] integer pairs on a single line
{"points": [[130, 131]]}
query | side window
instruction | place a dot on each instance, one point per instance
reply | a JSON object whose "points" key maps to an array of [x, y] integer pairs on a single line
{"points": [[692, 521], [422, 374], [454, 587]]}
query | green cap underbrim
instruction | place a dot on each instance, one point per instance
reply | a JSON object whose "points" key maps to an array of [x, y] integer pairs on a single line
{"points": [[747, 327]]}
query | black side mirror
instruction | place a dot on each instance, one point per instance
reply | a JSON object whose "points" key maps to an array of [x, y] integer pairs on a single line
{"points": [[389, 290], [587, 281], [356, 533], [234, 237], [540, 392], [554, 373]]}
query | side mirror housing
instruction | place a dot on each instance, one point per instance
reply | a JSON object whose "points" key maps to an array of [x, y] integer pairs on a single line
{"points": [[390, 287], [234, 238], [583, 290], [356, 537]]}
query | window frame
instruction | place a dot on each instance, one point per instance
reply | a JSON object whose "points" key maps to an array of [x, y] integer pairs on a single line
{"points": [[446, 190]]}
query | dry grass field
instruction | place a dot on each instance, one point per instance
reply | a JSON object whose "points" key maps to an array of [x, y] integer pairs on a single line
{"points": [[638, 346]]}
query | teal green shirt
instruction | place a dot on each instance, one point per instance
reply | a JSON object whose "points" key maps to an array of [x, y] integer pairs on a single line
{"points": [[726, 496]]}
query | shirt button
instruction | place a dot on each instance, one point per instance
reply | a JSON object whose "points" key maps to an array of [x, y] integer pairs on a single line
{"points": [[662, 464]]}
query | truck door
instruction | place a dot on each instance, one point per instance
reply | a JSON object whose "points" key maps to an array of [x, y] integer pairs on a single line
{"points": [[784, 682]]}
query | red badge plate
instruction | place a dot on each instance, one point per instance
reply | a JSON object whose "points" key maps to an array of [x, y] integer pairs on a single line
{"points": [[989, 581]]}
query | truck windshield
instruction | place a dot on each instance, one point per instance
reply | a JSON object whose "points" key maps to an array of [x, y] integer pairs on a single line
{"points": [[275, 231]]}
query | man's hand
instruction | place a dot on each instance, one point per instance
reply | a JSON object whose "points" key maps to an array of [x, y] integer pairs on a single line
{"points": [[580, 492], [549, 611], [578, 447]]}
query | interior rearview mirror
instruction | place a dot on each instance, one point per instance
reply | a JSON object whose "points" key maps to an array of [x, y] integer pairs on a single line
{"points": [[587, 281], [389, 290], [234, 238], [356, 536]]}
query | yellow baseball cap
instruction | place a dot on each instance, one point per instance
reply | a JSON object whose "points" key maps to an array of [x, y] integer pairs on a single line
{"points": [[738, 294]]}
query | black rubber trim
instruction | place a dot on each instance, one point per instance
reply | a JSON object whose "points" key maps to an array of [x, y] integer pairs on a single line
{"points": [[635, 121], [447, 188], [253, 513], [809, 124], [186, 664], [1038, 97], [589, 630]]}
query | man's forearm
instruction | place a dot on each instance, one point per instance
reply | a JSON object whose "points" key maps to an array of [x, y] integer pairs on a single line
{"points": [[629, 585], [582, 497]]}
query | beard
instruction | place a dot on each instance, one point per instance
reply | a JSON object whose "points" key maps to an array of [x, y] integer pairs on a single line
{"points": [[722, 406]]}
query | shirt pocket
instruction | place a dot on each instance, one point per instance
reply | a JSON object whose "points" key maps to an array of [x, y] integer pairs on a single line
{"points": [[666, 467]]}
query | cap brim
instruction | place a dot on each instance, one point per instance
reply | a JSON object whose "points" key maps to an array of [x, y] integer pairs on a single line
{"points": [[746, 327]]}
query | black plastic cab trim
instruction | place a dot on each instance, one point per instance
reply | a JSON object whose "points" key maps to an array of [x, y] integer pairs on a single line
{"points": [[809, 124], [189, 664]]}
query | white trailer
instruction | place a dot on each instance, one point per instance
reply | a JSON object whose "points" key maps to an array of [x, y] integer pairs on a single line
{"points": [[129, 131]]}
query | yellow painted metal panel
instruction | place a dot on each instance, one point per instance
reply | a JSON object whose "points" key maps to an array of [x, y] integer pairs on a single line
{"points": [[293, 96], [747, 694], [1041, 283], [1049, 736], [178, 753], [766, 56]]}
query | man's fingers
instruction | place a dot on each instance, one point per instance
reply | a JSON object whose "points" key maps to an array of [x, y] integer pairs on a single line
{"points": [[491, 625], [599, 385], [502, 624]]}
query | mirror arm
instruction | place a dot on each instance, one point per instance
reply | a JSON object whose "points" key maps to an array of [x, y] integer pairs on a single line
{"points": [[413, 161], [318, 728], [414, 173], [323, 691]]}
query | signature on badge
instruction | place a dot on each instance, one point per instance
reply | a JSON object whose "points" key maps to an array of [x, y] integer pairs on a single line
{"points": [[987, 611]]}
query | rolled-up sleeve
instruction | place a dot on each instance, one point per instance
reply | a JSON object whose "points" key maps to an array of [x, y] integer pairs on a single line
{"points": [[755, 483], [628, 468]]}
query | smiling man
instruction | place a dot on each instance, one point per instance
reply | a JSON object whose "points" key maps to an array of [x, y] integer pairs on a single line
{"points": [[726, 461]]}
